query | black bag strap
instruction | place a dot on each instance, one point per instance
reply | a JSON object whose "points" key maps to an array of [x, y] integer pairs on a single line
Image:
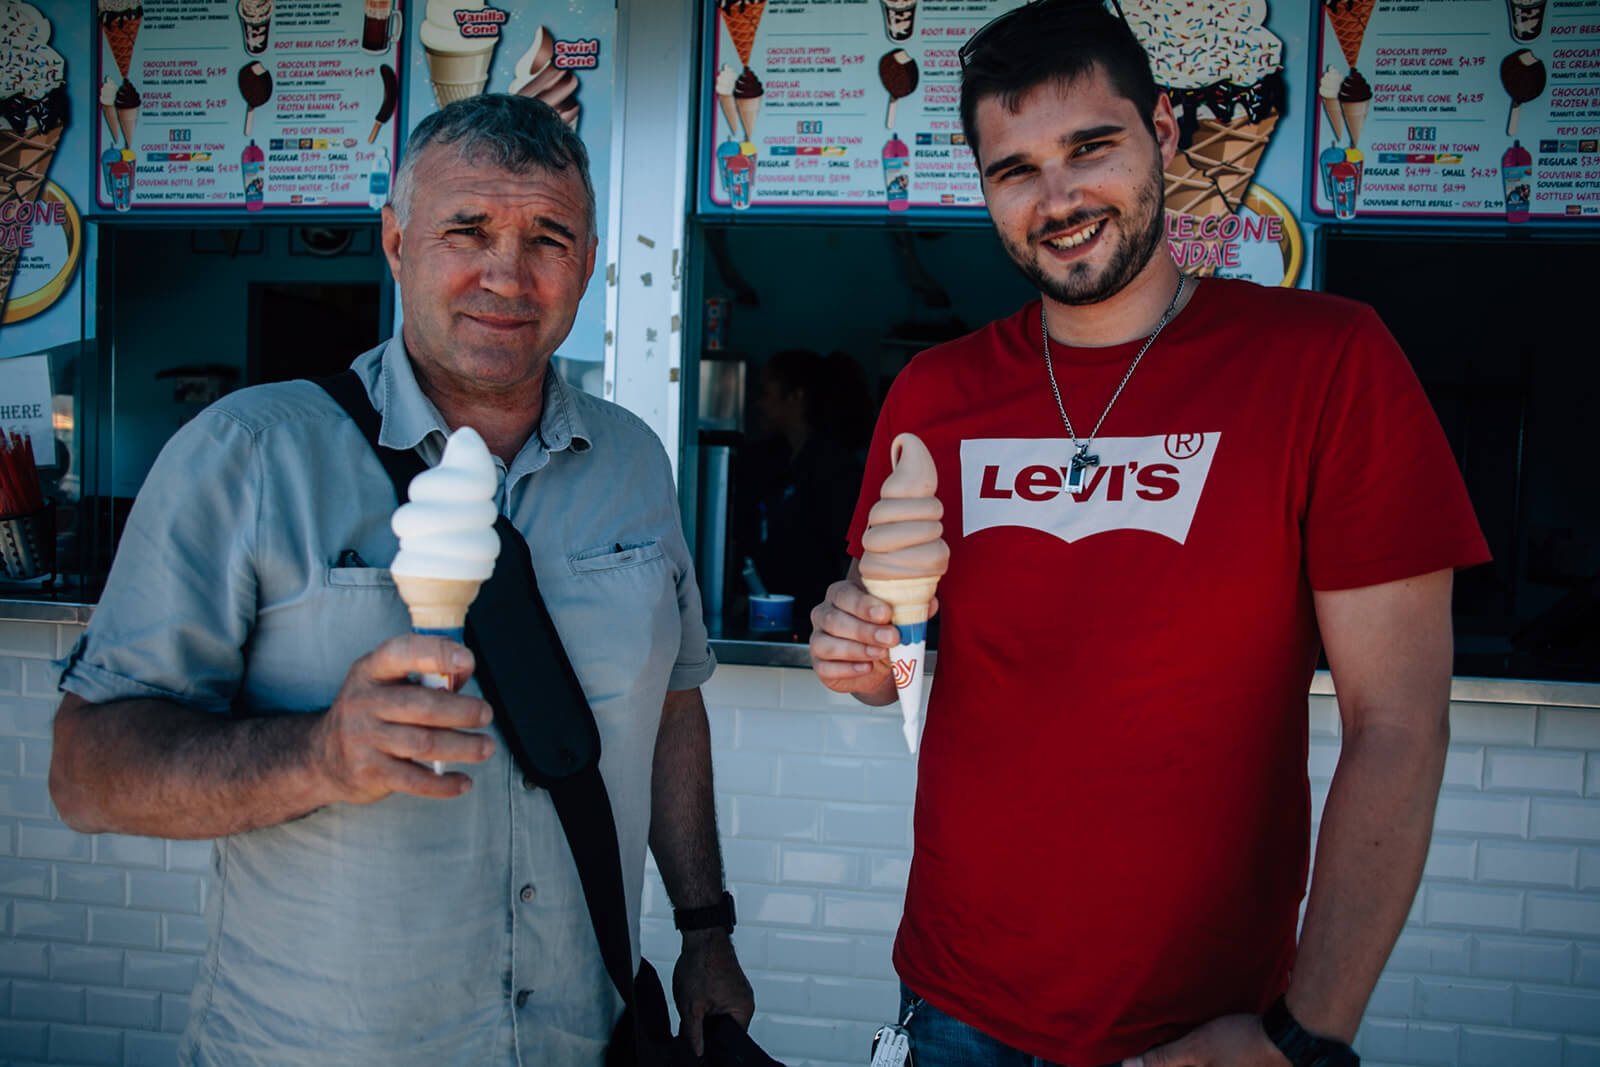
{"points": [[538, 702]]}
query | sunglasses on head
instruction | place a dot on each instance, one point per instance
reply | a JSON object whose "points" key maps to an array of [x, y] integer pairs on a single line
{"points": [[974, 42]]}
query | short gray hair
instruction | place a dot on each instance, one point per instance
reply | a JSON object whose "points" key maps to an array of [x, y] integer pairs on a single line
{"points": [[514, 133]]}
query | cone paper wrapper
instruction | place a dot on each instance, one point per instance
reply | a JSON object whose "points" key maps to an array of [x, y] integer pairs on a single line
{"points": [[438, 608], [911, 599]]}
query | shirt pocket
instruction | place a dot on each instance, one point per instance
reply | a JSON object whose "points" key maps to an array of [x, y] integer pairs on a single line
{"points": [[304, 643], [616, 608], [614, 557], [360, 577]]}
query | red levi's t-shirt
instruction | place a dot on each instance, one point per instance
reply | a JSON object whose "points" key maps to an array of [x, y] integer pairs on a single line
{"points": [[1113, 812]]}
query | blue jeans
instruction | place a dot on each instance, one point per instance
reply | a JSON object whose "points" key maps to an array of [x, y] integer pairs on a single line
{"points": [[937, 1040]]}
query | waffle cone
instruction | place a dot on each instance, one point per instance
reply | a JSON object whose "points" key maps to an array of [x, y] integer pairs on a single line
{"points": [[24, 162], [437, 603], [120, 35], [1355, 116], [742, 23], [1331, 108], [1349, 18], [748, 110], [909, 597]]}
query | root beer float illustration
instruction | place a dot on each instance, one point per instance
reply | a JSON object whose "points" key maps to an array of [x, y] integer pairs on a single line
{"points": [[904, 556]]}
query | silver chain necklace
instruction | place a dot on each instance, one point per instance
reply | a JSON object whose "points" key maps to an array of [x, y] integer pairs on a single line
{"points": [[1081, 459]]}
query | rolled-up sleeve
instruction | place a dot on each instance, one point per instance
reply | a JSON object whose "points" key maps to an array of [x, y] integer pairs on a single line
{"points": [[180, 600]]}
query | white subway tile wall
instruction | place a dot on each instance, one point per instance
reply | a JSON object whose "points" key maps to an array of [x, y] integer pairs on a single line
{"points": [[1498, 967]]}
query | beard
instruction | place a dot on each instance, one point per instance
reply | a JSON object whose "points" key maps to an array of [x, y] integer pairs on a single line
{"points": [[1140, 235]]}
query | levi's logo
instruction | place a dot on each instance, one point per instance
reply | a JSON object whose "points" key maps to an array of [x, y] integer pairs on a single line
{"points": [[1142, 483]]}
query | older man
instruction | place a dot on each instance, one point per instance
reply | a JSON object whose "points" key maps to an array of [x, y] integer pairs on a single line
{"points": [[364, 909]]}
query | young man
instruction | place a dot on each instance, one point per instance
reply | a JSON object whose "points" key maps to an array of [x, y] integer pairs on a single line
{"points": [[365, 910], [1162, 496]]}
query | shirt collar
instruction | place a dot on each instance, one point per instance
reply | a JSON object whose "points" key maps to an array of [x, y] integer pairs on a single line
{"points": [[410, 418]]}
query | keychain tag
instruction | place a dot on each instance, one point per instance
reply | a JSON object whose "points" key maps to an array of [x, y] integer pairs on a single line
{"points": [[891, 1047]]}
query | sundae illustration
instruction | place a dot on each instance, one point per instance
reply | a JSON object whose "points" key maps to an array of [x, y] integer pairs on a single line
{"points": [[904, 556], [33, 114], [448, 545], [741, 18], [119, 23], [1223, 71]]}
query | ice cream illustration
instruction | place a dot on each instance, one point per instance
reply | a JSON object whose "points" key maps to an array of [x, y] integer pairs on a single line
{"points": [[1349, 19], [448, 544], [899, 19], [255, 85], [1355, 96], [128, 102], [391, 96], [1328, 93], [536, 75], [899, 75], [1527, 18], [1223, 71], [255, 21], [1522, 74], [904, 556], [33, 112], [747, 94], [458, 65], [726, 79], [108, 108], [120, 21], [742, 17]]}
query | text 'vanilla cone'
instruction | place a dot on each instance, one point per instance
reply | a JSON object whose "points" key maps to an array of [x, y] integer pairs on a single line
{"points": [[448, 543], [903, 557]]}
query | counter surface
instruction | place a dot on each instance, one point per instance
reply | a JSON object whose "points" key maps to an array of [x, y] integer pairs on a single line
{"points": [[775, 654]]}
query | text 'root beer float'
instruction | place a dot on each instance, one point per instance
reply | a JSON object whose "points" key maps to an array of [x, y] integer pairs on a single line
{"points": [[903, 558]]}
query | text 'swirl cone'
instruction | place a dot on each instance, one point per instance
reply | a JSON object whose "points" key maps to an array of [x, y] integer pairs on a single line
{"points": [[911, 600]]}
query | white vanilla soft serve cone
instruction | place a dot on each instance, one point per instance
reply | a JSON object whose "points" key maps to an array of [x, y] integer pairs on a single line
{"points": [[447, 541], [903, 557]]}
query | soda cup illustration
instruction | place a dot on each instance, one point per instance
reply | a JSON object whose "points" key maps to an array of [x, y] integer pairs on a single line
{"points": [[1345, 186], [741, 175], [252, 165]]}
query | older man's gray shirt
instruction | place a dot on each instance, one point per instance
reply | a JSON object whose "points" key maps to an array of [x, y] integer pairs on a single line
{"points": [[251, 575]]}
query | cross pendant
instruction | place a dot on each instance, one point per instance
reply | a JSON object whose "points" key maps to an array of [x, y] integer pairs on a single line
{"points": [[1077, 471]]}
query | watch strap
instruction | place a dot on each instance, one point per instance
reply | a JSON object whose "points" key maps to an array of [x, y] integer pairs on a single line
{"points": [[712, 916], [1301, 1047]]}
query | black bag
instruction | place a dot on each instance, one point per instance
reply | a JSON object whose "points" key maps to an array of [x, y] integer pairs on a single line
{"points": [[549, 729]]}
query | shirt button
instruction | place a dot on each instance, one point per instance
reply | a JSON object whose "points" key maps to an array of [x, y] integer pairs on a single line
{"points": [[522, 997], [528, 782], [526, 894]]}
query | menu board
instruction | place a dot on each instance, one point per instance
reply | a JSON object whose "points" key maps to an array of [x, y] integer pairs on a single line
{"points": [[854, 106], [818, 102], [1484, 109], [246, 104]]}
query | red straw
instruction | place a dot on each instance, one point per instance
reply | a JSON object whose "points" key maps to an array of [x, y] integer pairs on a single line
{"points": [[19, 477]]}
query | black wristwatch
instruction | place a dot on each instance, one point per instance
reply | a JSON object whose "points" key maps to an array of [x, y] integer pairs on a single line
{"points": [[1302, 1048], [709, 917]]}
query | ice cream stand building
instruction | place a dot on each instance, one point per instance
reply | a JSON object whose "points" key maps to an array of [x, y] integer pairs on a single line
{"points": [[188, 205]]}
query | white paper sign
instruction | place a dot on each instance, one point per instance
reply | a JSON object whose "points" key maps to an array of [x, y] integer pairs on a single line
{"points": [[25, 404]]}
